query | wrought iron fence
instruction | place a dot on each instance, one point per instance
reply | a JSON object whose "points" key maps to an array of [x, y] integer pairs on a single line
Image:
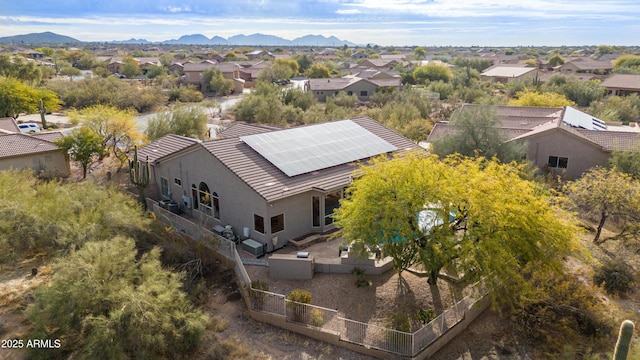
{"points": [[327, 320]]}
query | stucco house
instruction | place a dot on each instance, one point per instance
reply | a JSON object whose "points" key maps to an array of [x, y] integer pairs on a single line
{"points": [[562, 141], [272, 185], [193, 74], [362, 88], [21, 151], [622, 84]]}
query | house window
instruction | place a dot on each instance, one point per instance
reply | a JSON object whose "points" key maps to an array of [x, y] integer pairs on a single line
{"points": [[363, 93], [164, 186], [258, 223], [277, 223], [558, 162], [194, 195], [204, 199], [349, 93], [331, 203], [177, 181], [216, 205], [47, 158], [315, 210]]}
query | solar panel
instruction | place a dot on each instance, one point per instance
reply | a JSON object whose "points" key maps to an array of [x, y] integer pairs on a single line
{"points": [[577, 118], [305, 149]]}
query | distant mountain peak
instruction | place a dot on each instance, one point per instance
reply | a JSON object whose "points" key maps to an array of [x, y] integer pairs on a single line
{"points": [[257, 39]]}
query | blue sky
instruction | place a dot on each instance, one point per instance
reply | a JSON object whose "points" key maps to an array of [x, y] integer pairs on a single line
{"points": [[383, 22]]}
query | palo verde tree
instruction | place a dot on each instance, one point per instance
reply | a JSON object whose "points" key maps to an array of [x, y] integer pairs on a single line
{"points": [[116, 128], [106, 302], [217, 82], [603, 194], [18, 98], [480, 219]]}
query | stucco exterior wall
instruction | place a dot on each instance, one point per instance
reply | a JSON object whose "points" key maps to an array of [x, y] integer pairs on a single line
{"points": [[49, 161], [238, 202], [581, 155], [358, 87]]}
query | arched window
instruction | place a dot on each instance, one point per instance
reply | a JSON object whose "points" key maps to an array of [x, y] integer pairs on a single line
{"points": [[216, 205], [204, 198]]}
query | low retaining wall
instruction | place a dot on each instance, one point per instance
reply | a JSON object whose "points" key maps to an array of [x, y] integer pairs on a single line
{"points": [[290, 266]]}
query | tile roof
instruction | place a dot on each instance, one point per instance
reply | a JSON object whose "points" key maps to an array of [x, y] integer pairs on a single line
{"points": [[272, 184], [242, 129], [507, 71], [9, 124], [613, 140], [330, 84], [49, 135], [165, 146], [20, 144], [622, 81]]}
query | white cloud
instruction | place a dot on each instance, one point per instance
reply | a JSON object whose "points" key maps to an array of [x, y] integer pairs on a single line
{"points": [[348, 11]]}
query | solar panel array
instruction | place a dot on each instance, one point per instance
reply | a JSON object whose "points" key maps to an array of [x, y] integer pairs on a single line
{"points": [[309, 148], [577, 118]]}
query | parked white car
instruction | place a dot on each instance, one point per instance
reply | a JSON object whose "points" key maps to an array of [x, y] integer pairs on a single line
{"points": [[28, 128]]}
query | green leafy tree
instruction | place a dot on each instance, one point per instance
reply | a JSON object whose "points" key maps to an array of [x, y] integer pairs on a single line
{"points": [[279, 70], [304, 62], [603, 194], [84, 146], [471, 227], [217, 82], [105, 302], [17, 98], [476, 133], [18, 68], [318, 71], [156, 71], [419, 53], [117, 128], [70, 71], [627, 161], [189, 121], [555, 60], [432, 72], [130, 68]]}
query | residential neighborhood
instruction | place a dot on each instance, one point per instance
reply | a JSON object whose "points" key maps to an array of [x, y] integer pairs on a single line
{"points": [[392, 202]]}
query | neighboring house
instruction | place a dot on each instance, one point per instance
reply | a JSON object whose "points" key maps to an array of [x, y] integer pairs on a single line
{"points": [[508, 73], [622, 84], [562, 141], [20, 151], [271, 195], [259, 54], [362, 88], [585, 65], [193, 74], [380, 64]]}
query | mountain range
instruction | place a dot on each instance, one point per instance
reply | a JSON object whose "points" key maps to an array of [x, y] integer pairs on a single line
{"points": [[194, 39]]}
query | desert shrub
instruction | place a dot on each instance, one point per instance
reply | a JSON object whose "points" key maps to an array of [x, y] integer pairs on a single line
{"points": [[317, 317], [425, 316], [614, 276], [398, 321], [301, 296], [107, 302], [562, 310], [296, 308], [257, 297], [361, 280]]}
